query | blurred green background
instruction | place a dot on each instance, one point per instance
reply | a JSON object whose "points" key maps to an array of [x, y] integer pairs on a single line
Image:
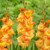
{"points": [[14, 5]]}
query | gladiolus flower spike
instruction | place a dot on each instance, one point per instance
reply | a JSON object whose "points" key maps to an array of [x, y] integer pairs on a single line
{"points": [[44, 36], [5, 33], [25, 27]]}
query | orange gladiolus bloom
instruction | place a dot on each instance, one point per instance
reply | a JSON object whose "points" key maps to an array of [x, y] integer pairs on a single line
{"points": [[25, 27], [44, 37], [5, 33]]}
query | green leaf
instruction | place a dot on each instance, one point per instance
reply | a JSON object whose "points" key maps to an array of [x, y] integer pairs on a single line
{"points": [[30, 46]]}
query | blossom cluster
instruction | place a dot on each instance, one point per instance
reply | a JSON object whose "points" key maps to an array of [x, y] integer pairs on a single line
{"points": [[44, 36], [6, 32], [25, 27]]}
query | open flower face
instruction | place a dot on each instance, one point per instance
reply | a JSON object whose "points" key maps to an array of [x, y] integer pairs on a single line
{"points": [[21, 29], [9, 43], [3, 44], [4, 19], [10, 32], [40, 43], [4, 28], [29, 26], [28, 23], [39, 34], [20, 18], [22, 41], [28, 13], [41, 27], [47, 43], [47, 32], [5, 38], [29, 36], [9, 23]]}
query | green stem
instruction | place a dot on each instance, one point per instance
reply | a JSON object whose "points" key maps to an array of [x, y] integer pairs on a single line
{"points": [[6, 6], [44, 10], [23, 1]]}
